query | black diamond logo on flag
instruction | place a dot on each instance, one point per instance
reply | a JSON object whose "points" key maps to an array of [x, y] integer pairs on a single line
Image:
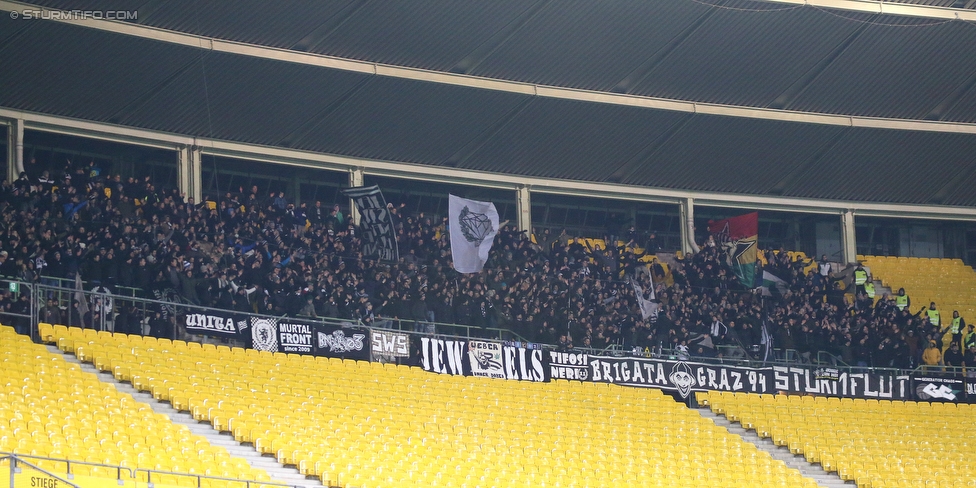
{"points": [[474, 226]]}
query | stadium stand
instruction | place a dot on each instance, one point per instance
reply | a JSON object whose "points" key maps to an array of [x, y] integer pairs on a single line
{"points": [[253, 252], [876, 443], [368, 424], [947, 282], [51, 409]]}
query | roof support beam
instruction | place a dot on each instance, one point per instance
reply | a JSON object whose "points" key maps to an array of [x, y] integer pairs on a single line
{"points": [[190, 172], [686, 218], [15, 149], [848, 238], [523, 200], [419, 172], [356, 178], [332, 62]]}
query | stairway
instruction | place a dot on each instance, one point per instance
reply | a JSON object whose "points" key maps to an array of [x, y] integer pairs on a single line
{"points": [[278, 472], [881, 290], [810, 470]]}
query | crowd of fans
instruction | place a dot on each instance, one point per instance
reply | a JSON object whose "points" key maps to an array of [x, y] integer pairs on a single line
{"points": [[261, 253]]}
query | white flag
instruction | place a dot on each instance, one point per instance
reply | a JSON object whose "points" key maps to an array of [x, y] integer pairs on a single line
{"points": [[648, 308], [80, 297], [473, 228]]}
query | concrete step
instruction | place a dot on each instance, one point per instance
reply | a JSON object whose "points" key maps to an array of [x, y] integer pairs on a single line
{"points": [[278, 472], [799, 463]]}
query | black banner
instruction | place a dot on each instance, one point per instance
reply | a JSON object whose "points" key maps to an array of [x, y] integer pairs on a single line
{"points": [[569, 366], [214, 324], [444, 356], [379, 234], [342, 342], [807, 380], [682, 376], [935, 389], [294, 337], [389, 344], [264, 334], [529, 362], [971, 390], [525, 364]]}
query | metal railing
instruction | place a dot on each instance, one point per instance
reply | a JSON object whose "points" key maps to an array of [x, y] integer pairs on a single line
{"points": [[201, 477], [15, 460], [126, 291], [69, 463], [445, 329], [133, 473], [169, 310]]}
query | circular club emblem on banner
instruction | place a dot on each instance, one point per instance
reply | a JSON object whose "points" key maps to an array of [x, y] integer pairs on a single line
{"points": [[682, 378], [263, 335]]}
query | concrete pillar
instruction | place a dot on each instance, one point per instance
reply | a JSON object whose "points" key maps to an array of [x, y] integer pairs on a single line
{"points": [[523, 201], [15, 149], [190, 172], [296, 188], [356, 178], [686, 212], [848, 237], [196, 174]]}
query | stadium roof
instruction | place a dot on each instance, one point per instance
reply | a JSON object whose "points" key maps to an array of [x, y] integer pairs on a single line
{"points": [[779, 59], [752, 53]]}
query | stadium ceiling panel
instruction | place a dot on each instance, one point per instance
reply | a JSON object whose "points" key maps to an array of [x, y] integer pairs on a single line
{"points": [[241, 98], [738, 52], [408, 120], [748, 58], [70, 77], [570, 140], [889, 166], [586, 44], [896, 72], [963, 109], [719, 153]]}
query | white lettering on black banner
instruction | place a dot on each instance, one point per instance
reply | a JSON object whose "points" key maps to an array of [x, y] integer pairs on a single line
{"points": [[294, 337], [679, 375], [855, 385], [442, 356], [379, 235], [939, 389], [338, 342], [390, 344], [569, 366], [199, 323], [524, 364]]}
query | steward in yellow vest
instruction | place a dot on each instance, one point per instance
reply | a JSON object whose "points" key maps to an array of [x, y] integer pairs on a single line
{"points": [[869, 289], [860, 278], [902, 301], [933, 314], [956, 327], [970, 338]]}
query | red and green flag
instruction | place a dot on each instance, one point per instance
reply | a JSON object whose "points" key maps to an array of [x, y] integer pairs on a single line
{"points": [[738, 238]]}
